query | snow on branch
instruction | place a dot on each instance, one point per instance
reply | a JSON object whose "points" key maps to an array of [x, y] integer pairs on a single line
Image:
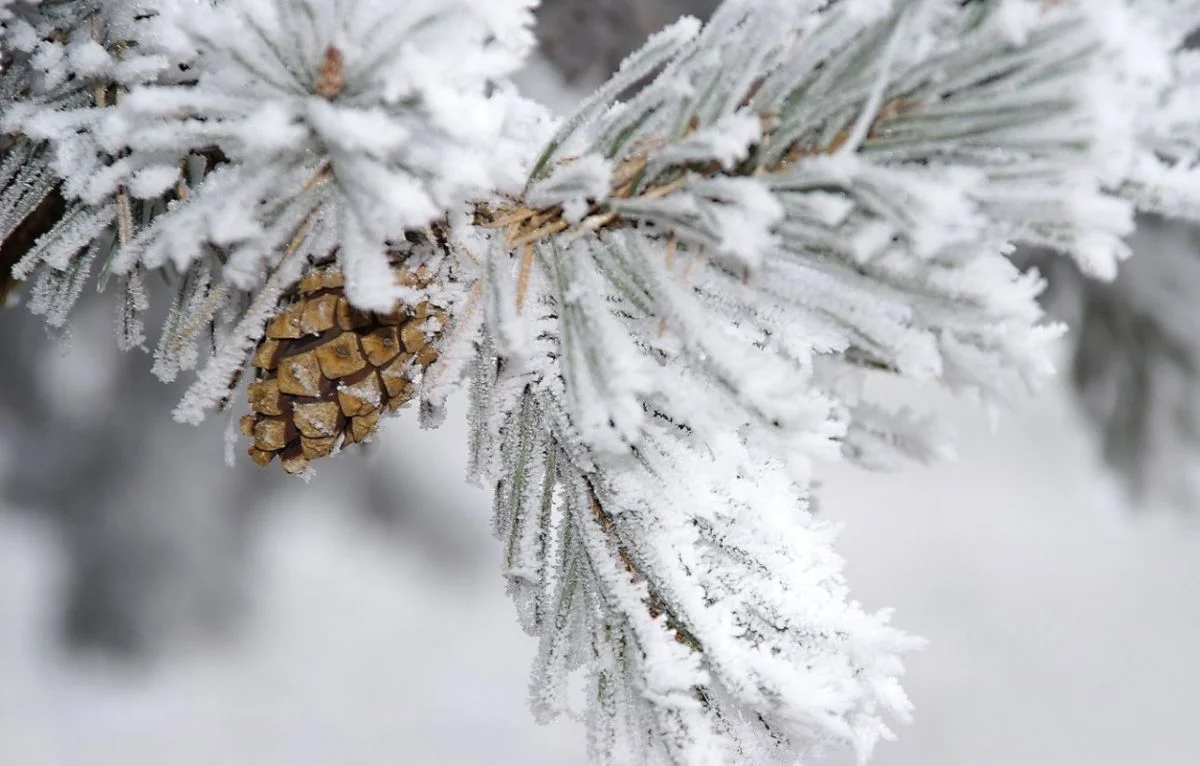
{"points": [[213, 142], [1165, 178], [842, 185], [687, 580], [373, 115], [693, 286], [64, 64]]}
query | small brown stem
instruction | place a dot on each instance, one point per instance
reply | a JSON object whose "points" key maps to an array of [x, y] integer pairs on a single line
{"points": [[687, 268], [517, 216], [659, 192], [124, 218], [548, 230], [523, 277], [321, 173], [654, 603]]}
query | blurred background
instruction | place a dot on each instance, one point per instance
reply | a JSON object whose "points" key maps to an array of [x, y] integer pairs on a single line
{"points": [[157, 607]]}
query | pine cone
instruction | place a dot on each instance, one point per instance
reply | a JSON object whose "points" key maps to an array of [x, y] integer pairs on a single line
{"points": [[327, 372]]}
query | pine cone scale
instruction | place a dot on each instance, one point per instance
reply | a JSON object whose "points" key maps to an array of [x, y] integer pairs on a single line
{"points": [[265, 397]]}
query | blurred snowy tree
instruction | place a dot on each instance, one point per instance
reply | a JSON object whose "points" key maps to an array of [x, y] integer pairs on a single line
{"points": [[665, 306], [587, 40], [85, 447], [1135, 359]]}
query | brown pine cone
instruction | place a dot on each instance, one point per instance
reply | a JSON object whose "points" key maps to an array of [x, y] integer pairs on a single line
{"points": [[326, 371]]}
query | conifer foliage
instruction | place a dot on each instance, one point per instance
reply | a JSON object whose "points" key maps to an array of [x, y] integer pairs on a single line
{"points": [[664, 306]]}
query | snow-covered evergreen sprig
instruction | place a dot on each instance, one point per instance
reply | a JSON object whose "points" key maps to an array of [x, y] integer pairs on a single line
{"points": [[1165, 179], [787, 198], [371, 115], [853, 175], [65, 63], [686, 579], [231, 143]]}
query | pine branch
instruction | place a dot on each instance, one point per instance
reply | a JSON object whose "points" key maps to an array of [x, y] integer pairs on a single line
{"points": [[669, 312], [68, 61], [879, 185], [1166, 179], [201, 138], [705, 270], [680, 613]]}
